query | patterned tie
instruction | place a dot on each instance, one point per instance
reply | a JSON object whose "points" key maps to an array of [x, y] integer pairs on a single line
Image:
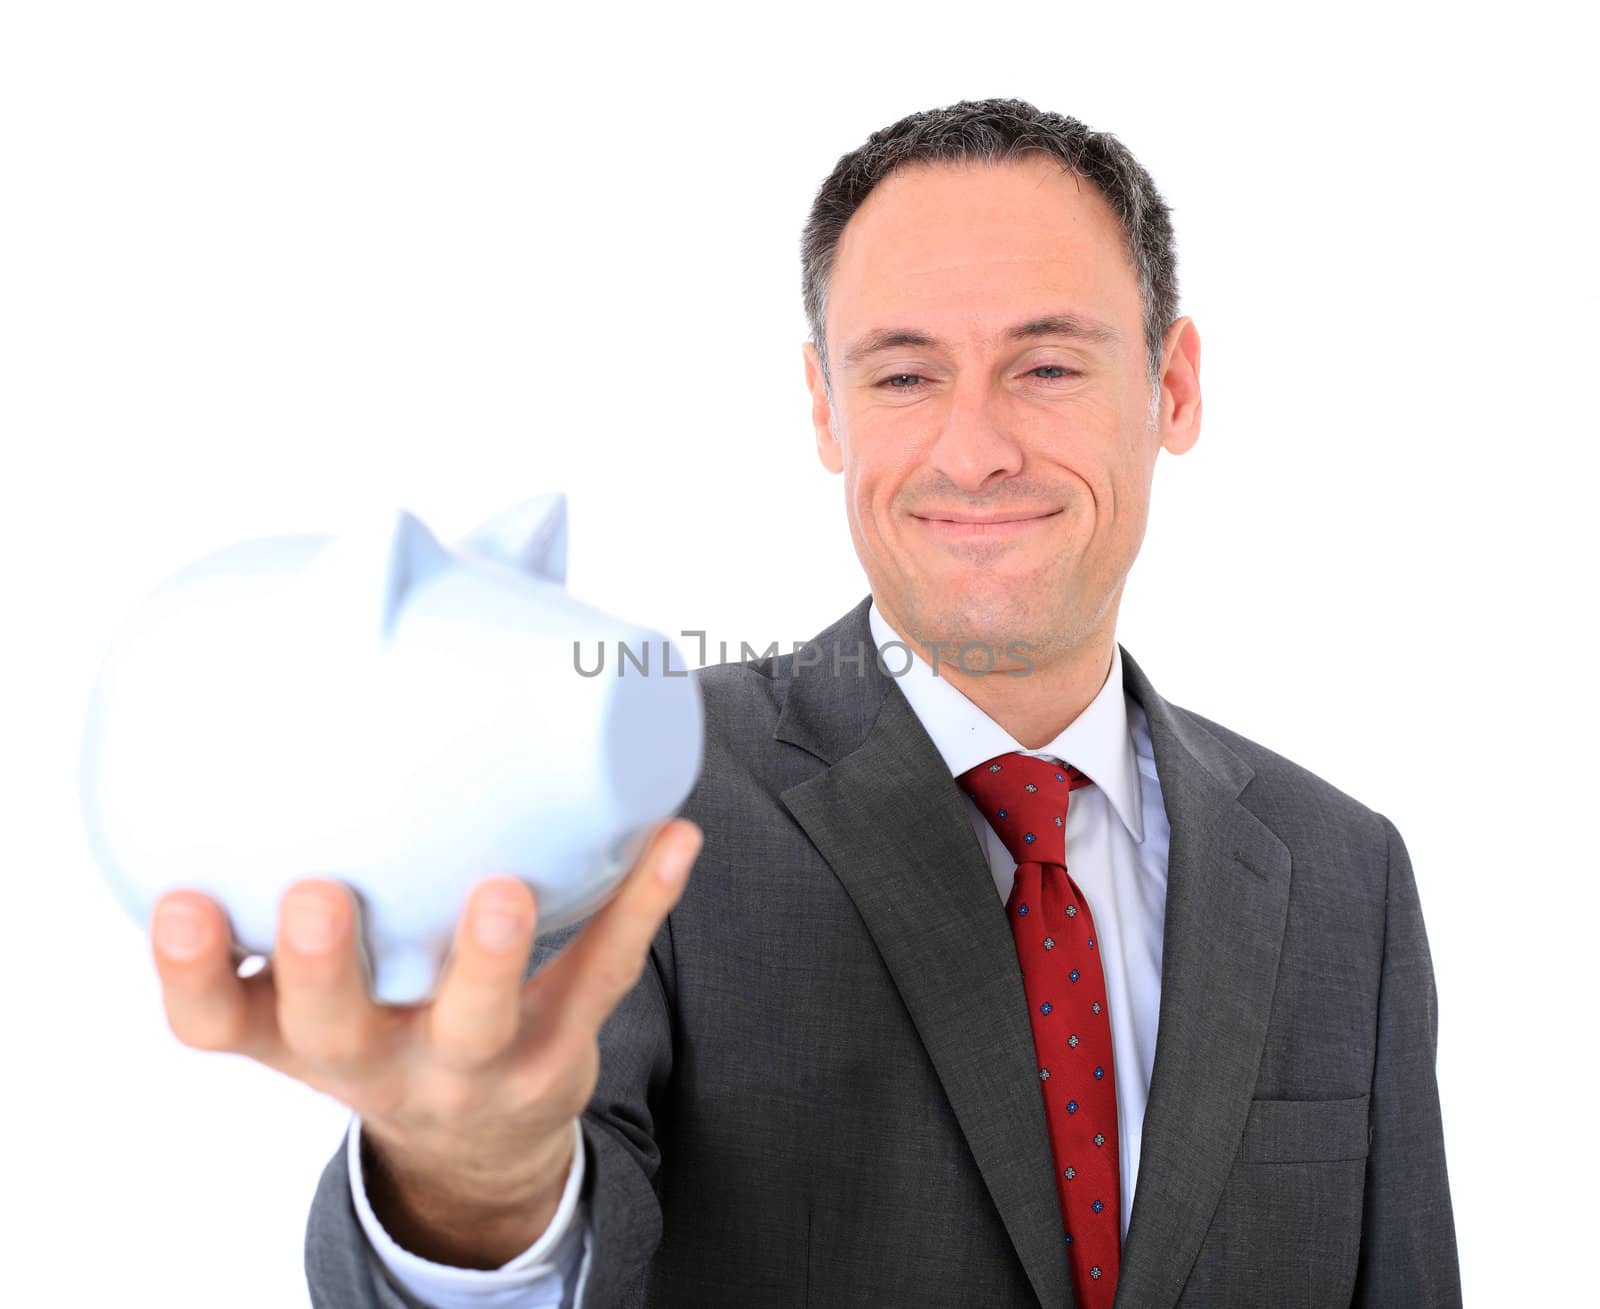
{"points": [[1025, 800]]}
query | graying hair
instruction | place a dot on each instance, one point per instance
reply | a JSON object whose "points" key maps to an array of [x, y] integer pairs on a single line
{"points": [[993, 132]]}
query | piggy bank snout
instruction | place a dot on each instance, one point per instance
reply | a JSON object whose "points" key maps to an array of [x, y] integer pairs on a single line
{"points": [[653, 740]]}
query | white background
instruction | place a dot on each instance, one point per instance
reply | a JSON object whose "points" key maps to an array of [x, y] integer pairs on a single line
{"points": [[261, 264]]}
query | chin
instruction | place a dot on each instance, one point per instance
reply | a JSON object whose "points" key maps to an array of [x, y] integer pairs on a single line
{"points": [[983, 612]]}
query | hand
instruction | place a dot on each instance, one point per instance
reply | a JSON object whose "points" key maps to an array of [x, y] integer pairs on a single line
{"points": [[469, 1099]]}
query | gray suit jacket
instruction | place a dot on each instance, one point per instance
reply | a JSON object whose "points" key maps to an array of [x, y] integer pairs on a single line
{"points": [[822, 1090]]}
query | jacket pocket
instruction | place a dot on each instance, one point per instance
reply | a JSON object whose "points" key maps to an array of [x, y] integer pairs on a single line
{"points": [[1305, 1131]]}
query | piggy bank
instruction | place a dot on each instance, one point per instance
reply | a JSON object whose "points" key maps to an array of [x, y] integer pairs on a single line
{"points": [[378, 708]]}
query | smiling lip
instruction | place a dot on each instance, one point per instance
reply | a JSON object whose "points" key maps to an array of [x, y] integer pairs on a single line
{"points": [[965, 526]]}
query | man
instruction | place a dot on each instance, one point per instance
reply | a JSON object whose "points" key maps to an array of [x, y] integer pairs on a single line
{"points": [[1000, 979]]}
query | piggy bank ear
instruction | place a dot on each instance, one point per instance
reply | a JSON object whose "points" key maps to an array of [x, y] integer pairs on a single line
{"points": [[531, 537], [363, 575]]}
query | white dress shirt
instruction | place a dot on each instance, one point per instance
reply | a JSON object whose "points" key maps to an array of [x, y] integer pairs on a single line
{"points": [[1116, 837]]}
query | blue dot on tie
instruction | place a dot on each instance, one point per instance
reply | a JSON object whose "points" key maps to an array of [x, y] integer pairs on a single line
{"points": [[1098, 1205], [1072, 1106], [1073, 975], [1022, 909], [1027, 838], [1091, 943], [1000, 813], [1060, 778], [1099, 1073], [1045, 1007]]}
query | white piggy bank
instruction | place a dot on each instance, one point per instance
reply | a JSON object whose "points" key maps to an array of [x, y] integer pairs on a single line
{"points": [[379, 709]]}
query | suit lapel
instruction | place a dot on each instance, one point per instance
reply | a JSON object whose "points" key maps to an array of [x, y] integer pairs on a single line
{"points": [[891, 822], [1227, 899]]}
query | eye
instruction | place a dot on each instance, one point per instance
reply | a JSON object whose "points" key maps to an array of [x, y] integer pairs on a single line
{"points": [[899, 381]]}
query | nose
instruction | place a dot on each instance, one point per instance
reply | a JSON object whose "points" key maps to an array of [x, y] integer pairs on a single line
{"points": [[973, 444]]}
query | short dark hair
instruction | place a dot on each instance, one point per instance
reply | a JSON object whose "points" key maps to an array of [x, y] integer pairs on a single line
{"points": [[995, 131]]}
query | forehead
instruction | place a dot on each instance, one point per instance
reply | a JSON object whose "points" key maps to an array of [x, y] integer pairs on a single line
{"points": [[965, 249]]}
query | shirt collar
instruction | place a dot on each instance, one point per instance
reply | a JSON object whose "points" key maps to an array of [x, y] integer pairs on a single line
{"points": [[1097, 741]]}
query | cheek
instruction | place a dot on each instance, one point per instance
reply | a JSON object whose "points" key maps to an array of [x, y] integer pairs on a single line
{"points": [[859, 507], [873, 485], [1123, 496]]}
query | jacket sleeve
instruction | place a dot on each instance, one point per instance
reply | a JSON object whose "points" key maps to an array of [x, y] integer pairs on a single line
{"points": [[1408, 1240], [343, 1271]]}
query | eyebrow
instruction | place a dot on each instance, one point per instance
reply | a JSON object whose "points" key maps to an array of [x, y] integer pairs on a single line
{"points": [[1069, 325]]}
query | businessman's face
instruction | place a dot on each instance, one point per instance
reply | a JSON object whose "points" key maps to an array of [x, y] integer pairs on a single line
{"points": [[990, 407]]}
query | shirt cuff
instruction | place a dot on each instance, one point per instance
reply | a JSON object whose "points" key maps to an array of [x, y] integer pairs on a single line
{"points": [[543, 1267]]}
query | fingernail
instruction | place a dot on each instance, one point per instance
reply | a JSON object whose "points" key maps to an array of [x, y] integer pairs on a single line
{"points": [[180, 932], [497, 928], [309, 928], [675, 862]]}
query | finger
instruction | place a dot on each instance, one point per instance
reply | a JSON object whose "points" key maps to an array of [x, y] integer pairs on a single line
{"points": [[583, 984], [477, 1009], [208, 1006], [324, 1012]]}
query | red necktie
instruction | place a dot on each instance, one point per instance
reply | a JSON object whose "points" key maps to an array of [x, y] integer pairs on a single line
{"points": [[1025, 800]]}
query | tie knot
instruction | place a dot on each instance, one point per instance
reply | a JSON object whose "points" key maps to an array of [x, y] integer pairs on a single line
{"points": [[1025, 800]]}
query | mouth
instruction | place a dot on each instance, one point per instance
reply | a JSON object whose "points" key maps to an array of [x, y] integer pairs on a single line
{"points": [[966, 527]]}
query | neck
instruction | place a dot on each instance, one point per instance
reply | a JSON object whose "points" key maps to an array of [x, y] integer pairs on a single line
{"points": [[1036, 706]]}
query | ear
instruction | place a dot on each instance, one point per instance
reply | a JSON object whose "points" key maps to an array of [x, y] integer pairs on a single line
{"points": [[1180, 387], [362, 576], [531, 537], [828, 449]]}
